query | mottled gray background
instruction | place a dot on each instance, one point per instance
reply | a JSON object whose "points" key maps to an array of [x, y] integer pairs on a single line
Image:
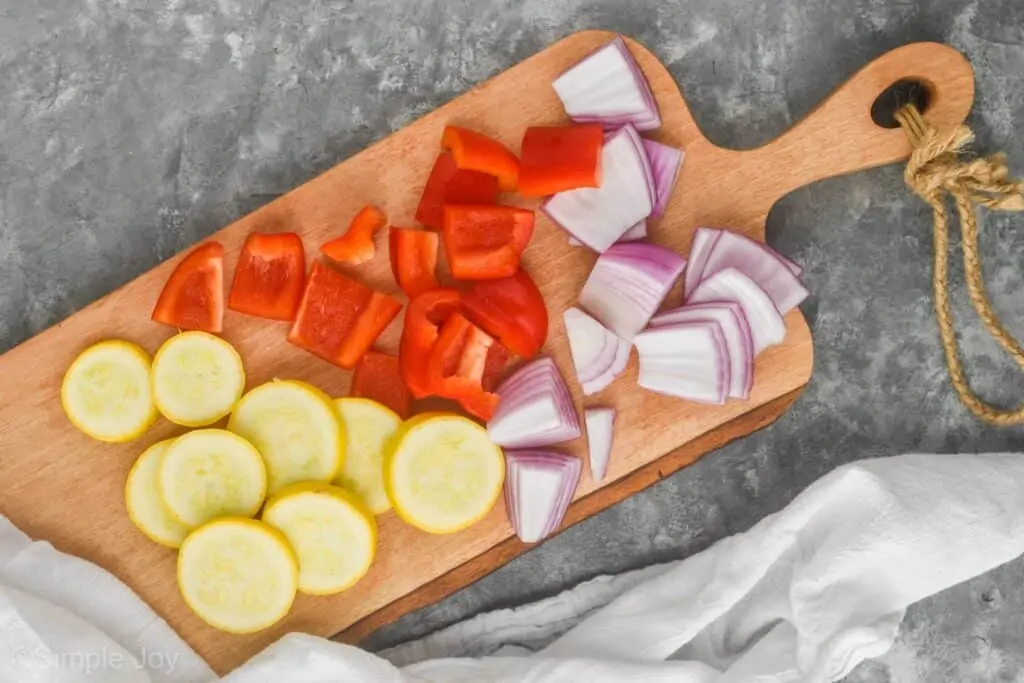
{"points": [[129, 129]]}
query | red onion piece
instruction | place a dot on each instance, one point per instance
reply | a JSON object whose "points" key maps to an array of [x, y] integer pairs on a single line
{"points": [[637, 232], [760, 264], [665, 162], [539, 486], [598, 216], [597, 353], [735, 330], [766, 324], [608, 86], [793, 267], [704, 240], [628, 284], [600, 423], [686, 360], [535, 408]]}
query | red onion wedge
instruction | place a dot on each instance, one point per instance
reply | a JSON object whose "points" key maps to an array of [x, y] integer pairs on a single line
{"points": [[598, 216], [687, 360], [704, 240], [539, 486], [597, 353], [766, 324], [637, 232], [665, 162], [628, 284], [599, 422], [735, 330], [760, 264], [794, 267], [535, 408], [608, 86]]}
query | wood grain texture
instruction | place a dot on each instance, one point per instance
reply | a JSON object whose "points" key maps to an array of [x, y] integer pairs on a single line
{"points": [[65, 488]]}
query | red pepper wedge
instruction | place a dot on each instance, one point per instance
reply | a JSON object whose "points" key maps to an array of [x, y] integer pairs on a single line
{"points": [[457, 363], [475, 151], [340, 318], [494, 368], [270, 276], [356, 245], [448, 184], [485, 242], [414, 259], [378, 377], [510, 309], [193, 298], [560, 158], [423, 319]]}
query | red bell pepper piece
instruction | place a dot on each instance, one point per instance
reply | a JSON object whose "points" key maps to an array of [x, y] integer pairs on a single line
{"points": [[457, 363], [423, 319], [485, 242], [494, 368], [269, 277], [339, 318], [378, 377], [414, 259], [560, 158], [356, 245], [193, 298], [474, 151], [511, 309], [448, 184]]}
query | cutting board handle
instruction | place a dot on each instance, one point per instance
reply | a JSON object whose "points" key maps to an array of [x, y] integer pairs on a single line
{"points": [[839, 136]]}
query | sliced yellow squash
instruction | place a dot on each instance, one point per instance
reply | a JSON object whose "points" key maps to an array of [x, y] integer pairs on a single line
{"points": [[296, 430], [197, 378], [238, 575], [211, 473], [332, 533], [443, 473], [146, 508], [369, 427], [106, 392]]}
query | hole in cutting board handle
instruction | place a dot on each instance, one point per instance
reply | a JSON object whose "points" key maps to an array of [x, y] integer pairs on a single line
{"points": [[885, 106]]}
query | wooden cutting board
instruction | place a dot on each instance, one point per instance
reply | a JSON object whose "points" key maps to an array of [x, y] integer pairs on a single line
{"points": [[60, 486]]}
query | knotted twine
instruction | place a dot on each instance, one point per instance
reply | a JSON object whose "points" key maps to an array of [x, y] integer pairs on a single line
{"points": [[935, 169]]}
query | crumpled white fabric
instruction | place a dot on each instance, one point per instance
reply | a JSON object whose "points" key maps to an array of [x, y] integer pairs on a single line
{"points": [[803, 596]]}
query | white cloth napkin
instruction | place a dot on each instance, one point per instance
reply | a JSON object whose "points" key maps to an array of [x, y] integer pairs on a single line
{"points": [[803, 596]]}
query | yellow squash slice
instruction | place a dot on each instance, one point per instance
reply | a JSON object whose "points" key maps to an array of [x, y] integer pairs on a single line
{"points": [[369, 427], [332, 533], [106, 392], [197, 379], [296, 430], [443, 473], [211, 473], [145, 506], [238, 575]]}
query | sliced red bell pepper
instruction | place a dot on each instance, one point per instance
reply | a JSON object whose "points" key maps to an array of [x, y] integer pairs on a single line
{"points": [[414, 259], [494, 369], [457, 363], [340, 318], [356, 245], [485, 242], [474, 151], [193, 298], [560, 158], [448, 184], [511, 309], [423, 319], [270, 275], [378, 377]]}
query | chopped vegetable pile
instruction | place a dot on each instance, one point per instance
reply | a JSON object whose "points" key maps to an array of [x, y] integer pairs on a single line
{"points": [[316, 469]]}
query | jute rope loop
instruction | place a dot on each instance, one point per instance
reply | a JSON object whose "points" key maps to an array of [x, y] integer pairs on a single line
{"points": [[935, 169]]}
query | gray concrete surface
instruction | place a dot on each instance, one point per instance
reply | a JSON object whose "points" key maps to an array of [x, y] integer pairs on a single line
{"points": [[131, 128]]}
